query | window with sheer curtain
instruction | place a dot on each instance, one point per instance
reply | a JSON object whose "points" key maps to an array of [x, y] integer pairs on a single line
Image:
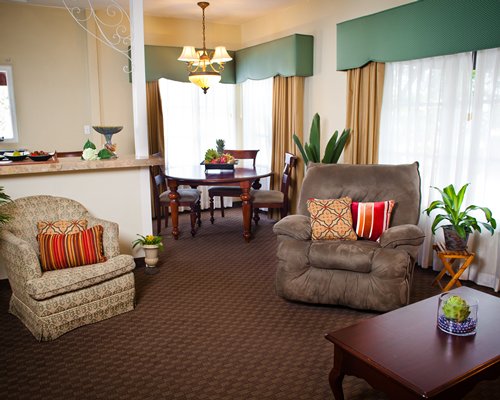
{"points": [[193, 121], [438, 112]]}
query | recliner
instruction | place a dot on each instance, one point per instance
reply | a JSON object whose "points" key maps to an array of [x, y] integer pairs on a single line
{"points": [[361, 274]]}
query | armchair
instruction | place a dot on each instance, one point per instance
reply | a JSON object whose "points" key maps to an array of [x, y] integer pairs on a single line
{"points": [[362, 274], [52, 303]]}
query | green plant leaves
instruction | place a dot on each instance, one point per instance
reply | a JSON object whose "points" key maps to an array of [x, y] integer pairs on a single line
{"points": [[462, 221], [311, 151], [89, 145]]}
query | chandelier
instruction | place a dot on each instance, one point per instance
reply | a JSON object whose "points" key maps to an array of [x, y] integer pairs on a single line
{"points": [[202, 71]]}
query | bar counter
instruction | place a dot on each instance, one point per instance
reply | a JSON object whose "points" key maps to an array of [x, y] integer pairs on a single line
{"points": [[72, 164]]}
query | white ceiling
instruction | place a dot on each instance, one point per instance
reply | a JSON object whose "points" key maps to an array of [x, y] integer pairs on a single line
{"points": [[220, 11]]}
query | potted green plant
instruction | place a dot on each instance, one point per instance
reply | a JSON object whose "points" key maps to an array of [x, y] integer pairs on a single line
{"points": [[152, 245], [4, 198], [311, 151], [461, 222]]}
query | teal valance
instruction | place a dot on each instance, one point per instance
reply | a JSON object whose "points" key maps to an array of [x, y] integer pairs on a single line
{"points": [[425, 28], [288, 56]]}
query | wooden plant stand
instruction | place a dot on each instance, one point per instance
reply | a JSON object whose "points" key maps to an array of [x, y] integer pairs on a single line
{"points": [[448, 257]]}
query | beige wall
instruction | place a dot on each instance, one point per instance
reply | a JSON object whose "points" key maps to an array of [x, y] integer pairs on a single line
{"points": [[63, 80]]}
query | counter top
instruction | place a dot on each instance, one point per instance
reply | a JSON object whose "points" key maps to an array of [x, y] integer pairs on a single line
{"points": [[69, 164]]}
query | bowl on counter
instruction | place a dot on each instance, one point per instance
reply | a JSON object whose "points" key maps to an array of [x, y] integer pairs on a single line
{"points": [[10, 156], [40, 156]]}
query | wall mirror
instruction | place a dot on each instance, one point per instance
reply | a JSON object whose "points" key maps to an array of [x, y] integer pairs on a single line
{"points": [[8, 121]]}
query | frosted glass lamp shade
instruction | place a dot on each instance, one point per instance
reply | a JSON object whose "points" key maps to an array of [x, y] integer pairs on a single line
{"points": [[221, 55], [204, 80], [188, 54]]}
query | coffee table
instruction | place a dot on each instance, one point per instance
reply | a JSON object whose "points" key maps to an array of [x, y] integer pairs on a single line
{"points": [[404, 354]]}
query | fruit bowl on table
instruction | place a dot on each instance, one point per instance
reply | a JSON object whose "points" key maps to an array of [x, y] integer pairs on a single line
{"points": [[40, 155], [16, 156]]}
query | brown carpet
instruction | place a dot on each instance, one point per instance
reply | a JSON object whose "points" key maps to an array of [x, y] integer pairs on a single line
{"points": [[207, 326]]}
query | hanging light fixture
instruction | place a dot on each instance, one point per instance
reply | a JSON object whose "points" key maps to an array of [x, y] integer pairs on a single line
{"points": [[202, 71]]}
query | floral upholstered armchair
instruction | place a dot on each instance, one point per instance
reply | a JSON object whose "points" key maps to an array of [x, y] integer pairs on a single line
{"points": [[54, 299], [360, 273]]}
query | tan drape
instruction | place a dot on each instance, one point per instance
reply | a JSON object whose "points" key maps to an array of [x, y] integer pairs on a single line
{"points": [[155, 118], [156, 141], [288, 118], [364, 102]]}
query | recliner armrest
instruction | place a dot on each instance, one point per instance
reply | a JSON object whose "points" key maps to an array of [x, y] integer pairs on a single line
{"points": [[402, 235], [295, 226]]}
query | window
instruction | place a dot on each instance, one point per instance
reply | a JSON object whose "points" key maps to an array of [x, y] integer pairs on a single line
{"points": [[193, 121], [441, 113], [8, 121]]}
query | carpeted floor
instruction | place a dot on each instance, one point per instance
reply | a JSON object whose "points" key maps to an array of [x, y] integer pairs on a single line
{"points": [[207, 326]]}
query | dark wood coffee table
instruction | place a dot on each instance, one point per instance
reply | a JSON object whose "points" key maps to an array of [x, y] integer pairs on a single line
{"points": [[404, 354]]}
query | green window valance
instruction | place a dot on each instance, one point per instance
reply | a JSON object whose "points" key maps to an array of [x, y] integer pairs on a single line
{"points": [[288, 56], [425, 28]]}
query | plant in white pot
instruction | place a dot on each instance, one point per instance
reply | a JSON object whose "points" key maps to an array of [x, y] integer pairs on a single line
{"points": [[461, 222], [152, 245]]}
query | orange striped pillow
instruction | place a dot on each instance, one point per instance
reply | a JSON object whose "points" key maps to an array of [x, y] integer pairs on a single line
{"points": [[72, 250], [371, 219]]}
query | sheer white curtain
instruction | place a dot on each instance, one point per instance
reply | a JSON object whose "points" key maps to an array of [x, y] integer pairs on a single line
{"points": [[256, 116], [193, 121], [432, 114]]}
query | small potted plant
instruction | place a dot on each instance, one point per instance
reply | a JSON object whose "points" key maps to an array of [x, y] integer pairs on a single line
{"points": [[152, 245], [4, 198], [462, 223], [456, 315]]}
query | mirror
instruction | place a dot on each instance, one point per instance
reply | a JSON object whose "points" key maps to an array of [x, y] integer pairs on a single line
{"points": [[8, 121]]}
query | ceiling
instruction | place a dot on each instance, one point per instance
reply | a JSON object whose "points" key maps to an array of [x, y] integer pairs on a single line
{"points": [[220, 11]]}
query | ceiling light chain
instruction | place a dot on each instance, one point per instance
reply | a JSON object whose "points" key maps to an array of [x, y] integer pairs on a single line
{"points": [[198, 61]]}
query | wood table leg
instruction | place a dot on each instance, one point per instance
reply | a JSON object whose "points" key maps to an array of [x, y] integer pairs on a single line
{"points": [[246, 209], [454, 280], [174, 208], [337, 374]]}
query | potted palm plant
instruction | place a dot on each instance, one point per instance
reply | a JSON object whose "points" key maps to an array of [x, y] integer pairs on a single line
{"points": [[311, 151], [152, 245], [461, 222]]}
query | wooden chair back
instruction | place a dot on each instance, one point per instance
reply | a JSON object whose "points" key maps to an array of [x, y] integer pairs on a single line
{"points": [[243, 154], [286, 179]]}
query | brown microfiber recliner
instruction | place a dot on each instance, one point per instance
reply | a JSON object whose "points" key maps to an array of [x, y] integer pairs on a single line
{"points": [[361, 274]]}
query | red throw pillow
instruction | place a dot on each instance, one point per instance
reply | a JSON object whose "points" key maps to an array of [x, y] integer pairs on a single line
{"points": [[72, 250], [371, 219]]}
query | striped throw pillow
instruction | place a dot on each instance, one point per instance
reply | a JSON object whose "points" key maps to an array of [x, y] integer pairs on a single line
{"points": [[372, 218], [331, 219], [66, 251], [63, 226]]}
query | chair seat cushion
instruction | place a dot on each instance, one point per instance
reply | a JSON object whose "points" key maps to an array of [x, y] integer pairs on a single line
{"points": [[224, 191], [53, 283], [267, 196], [185, 195], [347, 255]]}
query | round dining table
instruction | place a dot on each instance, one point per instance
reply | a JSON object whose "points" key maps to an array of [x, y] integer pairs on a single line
{"points": [[197, 175]]}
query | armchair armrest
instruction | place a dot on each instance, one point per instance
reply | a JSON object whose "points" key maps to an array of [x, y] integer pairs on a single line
{"points": [[295, 226], [110, 237], [19, 257], [402, 235]]}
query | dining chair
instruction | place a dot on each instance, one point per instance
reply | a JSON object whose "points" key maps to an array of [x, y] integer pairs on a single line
{"points": [[187, 198], [233, 190], [275, 198]]}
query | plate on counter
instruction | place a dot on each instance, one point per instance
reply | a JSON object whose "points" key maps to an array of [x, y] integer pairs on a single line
{"points": [[10, 156], [40, 155]]}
